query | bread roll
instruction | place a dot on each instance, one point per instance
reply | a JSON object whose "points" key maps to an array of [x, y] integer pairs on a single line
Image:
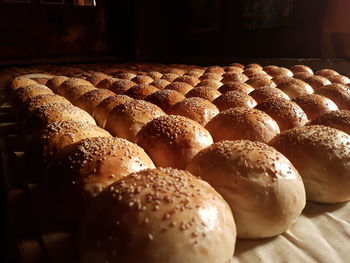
{"points": [[326, 73], [250, 72], [89, 100], [301, 68], [215, 84], [277, 71], [160, 83], [215, 69], [316, 81], [266, 93], [52, 112], [97, 77], [181, 87], [314, 104], [165, 99], [234, 77], [233, 86], [197, 109], [170, 76], [238, 65], [166, 215], [213, 76], [121, 86], [233, 99], [101, 112], [258, 82], [242, 123], [107, 83], [172, 141], [205, 92], [338, 119], [302, 75], [54, 138], [321, 155], [155, 75], [253, 65], [340, 79], [286, 113], [294, 90], [127, 118], [338, 93], [82, 170], [140, 91], [142, 79], [20, 82], [68, 84], [124, 75], [262, 187], [193, 81]]}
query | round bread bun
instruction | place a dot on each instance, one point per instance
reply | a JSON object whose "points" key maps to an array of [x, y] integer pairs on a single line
{"points": [[39, 78], [163, 214], [301, 68], [233, 99], [195, 108], [233, 77], [215, 69], [121, 86], [52, 112], [242, 123], [321, 155], [286, 113], [265, 93], [314, 104], [233, 86], [326, 73], [155, 75], [193, 81], [316, 82], [97, 77], [89, 100], [338, 93], [258, 82], [71, 83], [194, 73], [181, 87], [54, 138], [19, 96], [82, 170], [160, 83], [235, 68], [140, 91], [294, 90], [340, 79], [20, 82], [213, 76], [127, 119], [338, 119], [238, 65], [142, 79], [172, 141], [165, 99], [170, 76], [253, 65], [277, 71], [101, 112], [262, 187], [76, 92], [124, 75], [302, 75], [215, 84], [250, 72], [205, 92], [282, 79], [107, 83], [55, 83], [34, 102]]}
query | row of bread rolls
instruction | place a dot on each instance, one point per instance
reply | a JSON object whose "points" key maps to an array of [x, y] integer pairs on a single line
{"points": [[271, 177]]}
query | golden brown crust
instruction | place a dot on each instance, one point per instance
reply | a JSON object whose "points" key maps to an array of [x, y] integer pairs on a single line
{"points": [[316, 81], [170, 76], [326, 73], [340, 79], [215, 69], [121, 86], [262, 187], [265, 93], [302, 75], [193, 81], [165, 99], [89, 100], [197, 109], [158, 213], [71, 83], [140, 91], [258, 82], [142, 79], [321, 155], [160, 83], [232, 86], [205, 92], [233, 77], [215, 84], [19, 82], [127, 118], [74, 93], [338, 93], [286, 113], [242, 123], [214, 76], [172, 141], [82, 170], [338, 119], [55, 83], [301, 68], [233, 99], [181, 87], [293, 89], [314, 104], [277, 71]]}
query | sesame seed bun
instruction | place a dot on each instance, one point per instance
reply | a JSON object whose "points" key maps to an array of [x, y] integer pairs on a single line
{"points": [[265, 93], [233, 99], [338, 119]]}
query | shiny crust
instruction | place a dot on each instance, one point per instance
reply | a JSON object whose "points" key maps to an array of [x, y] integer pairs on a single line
{"points": [[286, 113], [295, 89], [265, 93], [258, 82], [232, 86], [212, 83], [321, 155], [140, 91], [234, 77], [205, 92], [316, 81], [233, 99], [97, 77], [159, 213], [197, 109], [338, 119], [89, 100], [242, 123], [314, 104], [55, 82], [76, 92], [172, 141], [20, 82], [19, 96], [181, 87], [277, 71], [301, 68], [326, 73], [338, 93], [165, 99], [262, 187], [127, 118]]}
